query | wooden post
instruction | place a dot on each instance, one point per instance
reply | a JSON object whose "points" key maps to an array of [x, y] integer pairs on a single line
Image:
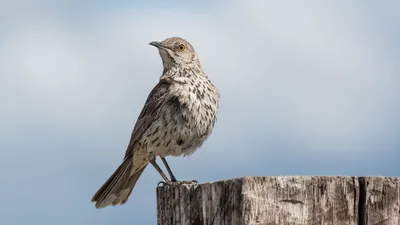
{"points": [[294, 200]]}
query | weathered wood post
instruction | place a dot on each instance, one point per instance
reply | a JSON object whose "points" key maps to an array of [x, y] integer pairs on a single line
{"points": [[294, 200]]}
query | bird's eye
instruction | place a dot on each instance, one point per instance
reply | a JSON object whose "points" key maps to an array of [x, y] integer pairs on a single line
{"points": [[181, 47]]}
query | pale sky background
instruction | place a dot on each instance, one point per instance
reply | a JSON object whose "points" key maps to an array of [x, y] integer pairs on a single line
{"points": [[307, 88]]}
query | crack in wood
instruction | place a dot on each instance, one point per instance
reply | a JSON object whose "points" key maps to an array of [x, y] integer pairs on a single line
{"points": [[292, 201], [362, 214]]}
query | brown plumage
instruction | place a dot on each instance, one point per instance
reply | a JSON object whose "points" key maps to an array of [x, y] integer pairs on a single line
{"points": [[178, 116]]}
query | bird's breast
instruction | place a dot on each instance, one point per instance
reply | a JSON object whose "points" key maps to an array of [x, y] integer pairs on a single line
{"points": [[199, 103], [189, 116]]}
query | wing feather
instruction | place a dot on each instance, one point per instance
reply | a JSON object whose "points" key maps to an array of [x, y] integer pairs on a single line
{"points": [[156, 99]]}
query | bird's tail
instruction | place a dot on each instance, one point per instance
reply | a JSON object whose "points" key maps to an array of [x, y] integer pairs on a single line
{"points": [[116, 190]]}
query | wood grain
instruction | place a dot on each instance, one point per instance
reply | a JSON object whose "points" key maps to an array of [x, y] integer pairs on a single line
{"points": [[292, 200]]}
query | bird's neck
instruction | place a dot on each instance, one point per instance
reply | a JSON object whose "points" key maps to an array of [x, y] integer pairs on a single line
{"points": [[182, 72]]}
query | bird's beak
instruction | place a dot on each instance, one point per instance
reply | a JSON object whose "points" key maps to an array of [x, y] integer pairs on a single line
{"points": [[156, 44]]}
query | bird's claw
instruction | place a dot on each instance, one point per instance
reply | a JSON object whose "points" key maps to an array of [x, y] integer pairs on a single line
{"points": [[175, 183], [185, 182], [190, 182], [163, 183]]}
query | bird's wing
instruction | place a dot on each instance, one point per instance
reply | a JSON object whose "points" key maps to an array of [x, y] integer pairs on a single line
{"points": [[156, 99]]}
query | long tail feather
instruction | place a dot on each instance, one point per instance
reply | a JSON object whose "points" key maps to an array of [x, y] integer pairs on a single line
{"points": [[116, 190]]}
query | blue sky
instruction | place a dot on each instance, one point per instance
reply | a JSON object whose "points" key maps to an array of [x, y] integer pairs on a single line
{"points": [[306, 89]]}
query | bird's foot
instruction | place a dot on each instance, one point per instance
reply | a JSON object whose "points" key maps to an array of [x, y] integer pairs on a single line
{"points": [[176, 182], [180, 182]]}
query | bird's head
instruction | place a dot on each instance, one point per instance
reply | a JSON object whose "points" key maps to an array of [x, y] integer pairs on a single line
{"points": [[176, 51]]}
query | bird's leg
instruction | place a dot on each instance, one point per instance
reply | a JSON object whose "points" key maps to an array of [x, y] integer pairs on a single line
{"points": [[173, 179], [152, 159], [153, 162]]}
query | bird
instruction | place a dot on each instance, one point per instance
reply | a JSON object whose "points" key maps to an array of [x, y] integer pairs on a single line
{"points": [[178, 116]]}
